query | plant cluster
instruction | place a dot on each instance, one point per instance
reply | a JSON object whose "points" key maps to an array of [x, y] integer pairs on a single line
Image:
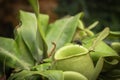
{"points": [[63, 50]]}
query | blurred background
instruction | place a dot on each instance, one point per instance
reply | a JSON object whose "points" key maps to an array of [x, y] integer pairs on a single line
{"points": [[107, 12]]}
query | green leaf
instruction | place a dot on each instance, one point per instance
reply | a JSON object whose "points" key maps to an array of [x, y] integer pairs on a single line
{"points": [[35, 5], [97, 47], [100, 37], [111, 62], [81, 25], [29, 32], [116, 46], [23, 49], [115, 33], [44, 19], [50, 74], [93, 25], [31, 35], [111, 68], [83, 32], [10, 53], [40, 29], [98, 68], [42, 67], [102, 50], [62, 31], [41, 32]]}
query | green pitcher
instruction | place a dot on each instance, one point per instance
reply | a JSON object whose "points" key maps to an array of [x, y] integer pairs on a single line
{"points": [[74, 58]]}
